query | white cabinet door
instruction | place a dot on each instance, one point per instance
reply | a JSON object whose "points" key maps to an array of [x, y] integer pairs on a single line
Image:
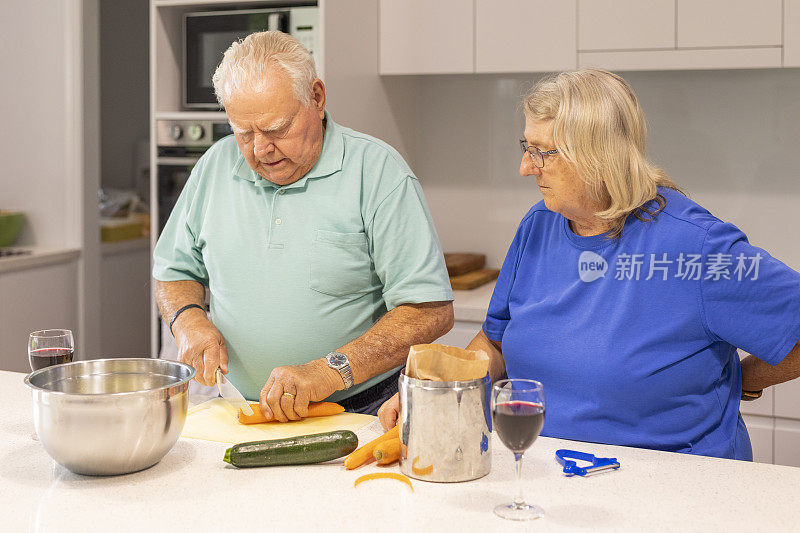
{"points": [[732, 23], [760, 429], [787, 442], [626, 24], [423, 37], [43, 297], [763, 406], [787, 399], [524, 36], [125, 303], [791, 33]]}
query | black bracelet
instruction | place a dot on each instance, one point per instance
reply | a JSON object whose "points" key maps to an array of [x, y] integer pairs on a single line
{"points": [[181, 310]]}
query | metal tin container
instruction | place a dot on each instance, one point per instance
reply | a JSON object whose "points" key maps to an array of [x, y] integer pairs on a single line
{"points": [[445, 429], [110, 416]]}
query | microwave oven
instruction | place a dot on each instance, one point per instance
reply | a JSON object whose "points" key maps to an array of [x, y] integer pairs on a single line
{"points": [[208, 34]]}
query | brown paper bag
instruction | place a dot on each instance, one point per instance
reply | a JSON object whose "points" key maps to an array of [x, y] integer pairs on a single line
{"points": [[439, 362]]}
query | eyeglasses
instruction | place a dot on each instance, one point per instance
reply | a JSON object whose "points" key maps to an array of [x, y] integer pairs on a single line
{"points": [[536, 155]]}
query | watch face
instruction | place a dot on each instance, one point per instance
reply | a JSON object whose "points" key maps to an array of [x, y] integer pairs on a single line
{"points": [[337, 359]]}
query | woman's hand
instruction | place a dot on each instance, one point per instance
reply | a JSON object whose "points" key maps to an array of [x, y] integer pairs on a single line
{"points": [[389, 412]]}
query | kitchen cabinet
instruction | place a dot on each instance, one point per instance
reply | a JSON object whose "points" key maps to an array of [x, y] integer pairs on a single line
{"points": [[125, 299], [422, 37], [626, 24], [506, 36], [680, 34], [733, 23], [791, 33], [524, 36], [787, 442], [42, 297], [761, 430], [787, 399], [762, 406]]}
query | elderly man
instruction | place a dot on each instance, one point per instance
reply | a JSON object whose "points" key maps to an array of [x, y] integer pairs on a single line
{"points": [[314, 241]]}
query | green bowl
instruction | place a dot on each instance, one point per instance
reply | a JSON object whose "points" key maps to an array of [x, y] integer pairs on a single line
{"points": [[10, 226]]}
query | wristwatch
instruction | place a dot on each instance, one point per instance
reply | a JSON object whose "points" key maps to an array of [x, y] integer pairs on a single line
{"points": [[750, 395], [339, 362]]}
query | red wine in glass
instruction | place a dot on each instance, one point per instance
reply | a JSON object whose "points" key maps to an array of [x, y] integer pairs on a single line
{"points": [[518, 423], [45, 357], [518, 413], [48, 347]]}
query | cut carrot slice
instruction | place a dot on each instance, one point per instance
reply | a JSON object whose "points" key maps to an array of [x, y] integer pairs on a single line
{"points": [[314, 409], [387, 475]]}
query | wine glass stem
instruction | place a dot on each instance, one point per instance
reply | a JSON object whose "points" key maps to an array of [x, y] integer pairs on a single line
{"points": [[519, 500]]}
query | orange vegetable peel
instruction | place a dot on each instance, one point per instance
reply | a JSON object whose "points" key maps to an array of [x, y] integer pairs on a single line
{"points": [[386, 475]]}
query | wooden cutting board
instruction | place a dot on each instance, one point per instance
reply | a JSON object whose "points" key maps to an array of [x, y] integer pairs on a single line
{"points": [[474, 279], [216, 420], [463, 263]]}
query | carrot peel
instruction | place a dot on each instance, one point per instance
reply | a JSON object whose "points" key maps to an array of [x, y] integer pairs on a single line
{"points": [[387, 475], [420, 471]]}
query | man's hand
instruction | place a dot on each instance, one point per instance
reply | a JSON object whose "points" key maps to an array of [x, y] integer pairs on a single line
{"points": [[201, 345], [389, 412], [288, 390]]}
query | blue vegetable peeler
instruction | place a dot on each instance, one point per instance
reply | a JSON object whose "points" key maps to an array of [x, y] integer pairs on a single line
{"points": [[571, 468]]}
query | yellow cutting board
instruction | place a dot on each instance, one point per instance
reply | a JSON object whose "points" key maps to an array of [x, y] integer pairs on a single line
{"points": [[216, 420]]}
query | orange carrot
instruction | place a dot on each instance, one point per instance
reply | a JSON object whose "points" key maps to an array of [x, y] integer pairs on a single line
{"points": [[387, 452], [361, 455], [314, 409]]}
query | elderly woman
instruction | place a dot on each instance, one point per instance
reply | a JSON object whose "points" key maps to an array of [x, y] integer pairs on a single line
{"points": [[625, 298]]}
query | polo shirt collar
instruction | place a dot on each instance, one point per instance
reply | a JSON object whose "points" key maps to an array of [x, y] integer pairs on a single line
{"points": [[329, 162]]}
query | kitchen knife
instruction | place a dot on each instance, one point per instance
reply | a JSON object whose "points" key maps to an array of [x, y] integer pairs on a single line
{"points": [[232, 394]]}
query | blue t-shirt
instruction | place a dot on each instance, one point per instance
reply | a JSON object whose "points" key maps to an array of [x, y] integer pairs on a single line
{"points": [[634, 339]]}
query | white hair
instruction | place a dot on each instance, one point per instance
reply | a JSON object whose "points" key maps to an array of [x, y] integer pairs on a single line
{"points": [[246, 65]]}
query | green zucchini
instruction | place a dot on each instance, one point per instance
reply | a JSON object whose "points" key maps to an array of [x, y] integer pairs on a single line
{"points": [[303, 450]]}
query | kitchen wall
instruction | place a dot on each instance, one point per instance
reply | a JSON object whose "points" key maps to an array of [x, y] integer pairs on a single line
{"points": [[38, 99], [124, 89], [730, 138]]}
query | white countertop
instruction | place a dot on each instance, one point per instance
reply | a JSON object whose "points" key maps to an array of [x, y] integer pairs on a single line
{"points": [[471, 306], [192, 489], [38, 256]]}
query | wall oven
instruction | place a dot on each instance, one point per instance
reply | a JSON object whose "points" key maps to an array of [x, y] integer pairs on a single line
{"points": [[180, 145], [208, 34]]}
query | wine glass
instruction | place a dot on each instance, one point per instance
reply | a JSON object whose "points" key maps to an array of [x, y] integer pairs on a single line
{"points": [[518, 413], [49, 347]]}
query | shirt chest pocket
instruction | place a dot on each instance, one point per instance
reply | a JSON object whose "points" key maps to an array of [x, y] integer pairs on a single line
{"points": [[340, 263]]}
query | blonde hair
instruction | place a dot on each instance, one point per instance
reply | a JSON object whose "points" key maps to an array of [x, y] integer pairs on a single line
{"points": [[246, 65], [599, 127]]}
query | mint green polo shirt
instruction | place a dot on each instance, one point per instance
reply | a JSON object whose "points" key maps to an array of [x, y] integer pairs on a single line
{"points": [[297, 271]]}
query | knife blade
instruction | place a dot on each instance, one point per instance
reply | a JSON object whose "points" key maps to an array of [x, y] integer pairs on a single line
{"points": [[232, 394]]}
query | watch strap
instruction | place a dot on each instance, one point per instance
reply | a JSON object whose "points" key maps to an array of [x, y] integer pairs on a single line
{"points": [[345, 371], [750, 395]]}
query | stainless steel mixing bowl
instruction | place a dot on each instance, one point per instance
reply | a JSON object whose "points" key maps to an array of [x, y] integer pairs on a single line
{"points": [[110, 416]]}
